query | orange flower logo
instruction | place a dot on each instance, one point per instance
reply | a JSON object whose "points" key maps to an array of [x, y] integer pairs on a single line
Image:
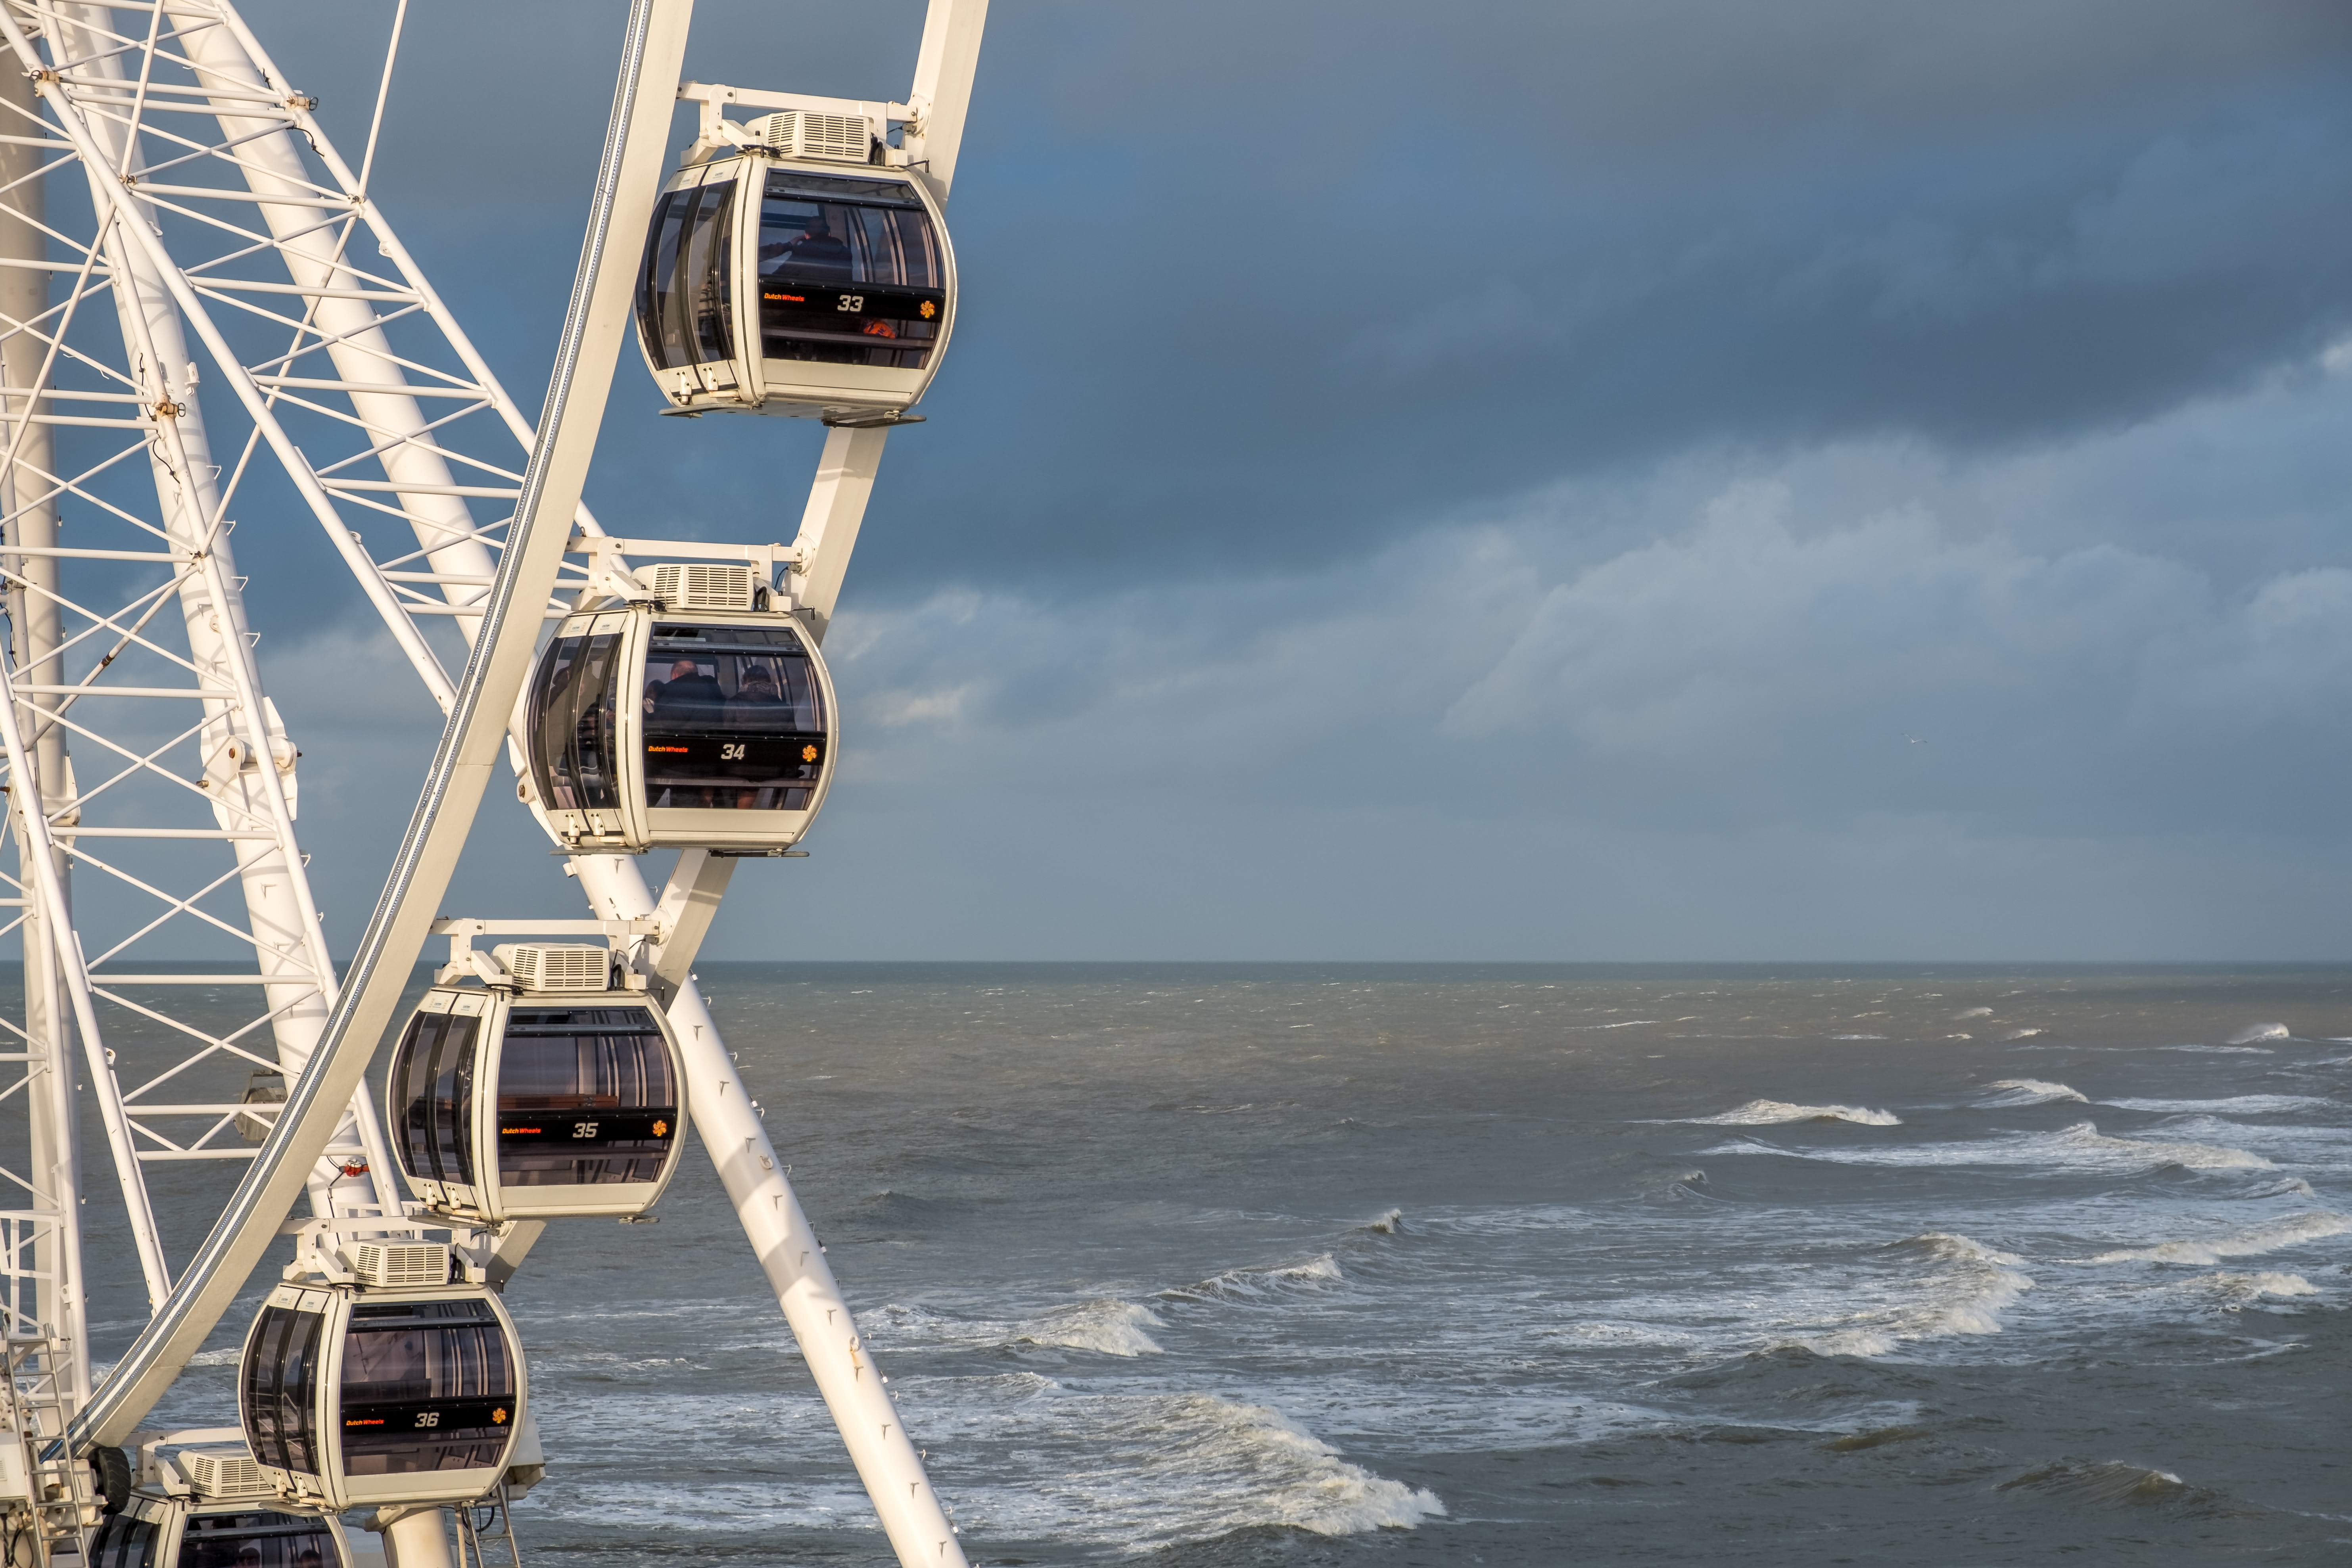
{"points": [[499, 1415], [808, 753], [661, 1129], [927, 310]]}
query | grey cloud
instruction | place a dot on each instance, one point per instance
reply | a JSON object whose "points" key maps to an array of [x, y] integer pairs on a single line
{"points": [[1250, 288]]}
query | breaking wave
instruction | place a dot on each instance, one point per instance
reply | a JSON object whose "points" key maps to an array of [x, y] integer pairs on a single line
{"points": [[1259, 1285], [2236, 1105], [2080, 1147], [1964, 1289], [1237, 1467], [2254, 1287], [2294, 1230], [2252, 1032], [1769, 1112], [2008, 1092], [2023, 1034]]}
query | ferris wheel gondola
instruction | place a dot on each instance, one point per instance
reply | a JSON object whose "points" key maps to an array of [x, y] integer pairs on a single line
{"points": [[157, 1530], [691, 720], [545, 1103], [797, 276], [354, 1395]]}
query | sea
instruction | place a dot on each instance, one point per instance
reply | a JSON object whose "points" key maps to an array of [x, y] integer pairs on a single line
{"points": [[1384, 1265]]}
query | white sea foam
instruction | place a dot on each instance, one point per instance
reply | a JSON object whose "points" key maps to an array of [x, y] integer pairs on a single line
{"points": [[1205, 1467], [1768, 1112], [1104, 1325], [2080, 1147], [2023, 1034], [1251, 1284], [1972, 1013], [2222, 1050], [2008, 1092], [1964, 1288], [2252, 1032], [2274, 1235], [2254, 1287], [1107, 1327], [1857, 1036], [2236, 1105]]}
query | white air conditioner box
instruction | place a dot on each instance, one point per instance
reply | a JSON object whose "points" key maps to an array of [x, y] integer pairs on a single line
{"points": [[553, 967]]}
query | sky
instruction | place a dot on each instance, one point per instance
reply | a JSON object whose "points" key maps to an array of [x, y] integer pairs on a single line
{"points": [[1602, 479]]}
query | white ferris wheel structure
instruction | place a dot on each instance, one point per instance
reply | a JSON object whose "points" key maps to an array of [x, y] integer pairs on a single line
{"points": [[173, 216]]}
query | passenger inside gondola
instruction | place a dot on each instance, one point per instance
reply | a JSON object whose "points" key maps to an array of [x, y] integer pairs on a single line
{"points": [[738, 726], [257, 1540], [815, 253]]}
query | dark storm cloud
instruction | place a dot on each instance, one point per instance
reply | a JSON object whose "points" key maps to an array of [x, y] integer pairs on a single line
{"points": [[1492, 481], [1258, 286]]}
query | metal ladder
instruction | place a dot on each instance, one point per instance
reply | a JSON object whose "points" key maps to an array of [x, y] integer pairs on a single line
{"points": [[38, 1412], [476, 1537]]}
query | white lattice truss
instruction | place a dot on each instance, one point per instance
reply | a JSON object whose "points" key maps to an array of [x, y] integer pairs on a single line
{"points": [[225, 245]]}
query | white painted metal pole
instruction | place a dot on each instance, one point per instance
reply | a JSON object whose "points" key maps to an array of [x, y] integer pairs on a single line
{"points": [[829, 524], [53, 1148], [944, 67], [843, 1368], [594, 324]]}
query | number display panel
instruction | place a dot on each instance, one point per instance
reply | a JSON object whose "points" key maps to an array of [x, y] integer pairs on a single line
{"points": [[510, 1105]]}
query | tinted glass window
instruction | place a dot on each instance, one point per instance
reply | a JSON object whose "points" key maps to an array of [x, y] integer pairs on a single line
{"points": [[277, 1387], [571, 724], [684, 295], [263, 1539], [585, 1097], [123, 1542], [734, 720], [433, 1098], [851, 272], [426, 1385]]}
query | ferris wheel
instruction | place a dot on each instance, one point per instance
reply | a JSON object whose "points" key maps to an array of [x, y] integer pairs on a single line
{"points": [[172, 217]]}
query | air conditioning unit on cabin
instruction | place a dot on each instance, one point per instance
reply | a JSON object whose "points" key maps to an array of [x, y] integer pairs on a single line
{"points": [[224, 1470], [552, 967], [684, 586], [826, 137], [387, 1264]]}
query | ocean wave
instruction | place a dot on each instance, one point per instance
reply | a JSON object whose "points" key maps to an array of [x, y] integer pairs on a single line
{"points": [[2114, 1483], [1104, 1325], [2236, 1105], [2252, 1032], [2080, 1147], [2271, 1237], [1769, 1112], [2023, 1034], [2009, 1092], [1389, 1224], [1259, 1285], [2222, 1050], [2254, 1287], [1963, 1288], [1857, 1036], [1966, 1013]]}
